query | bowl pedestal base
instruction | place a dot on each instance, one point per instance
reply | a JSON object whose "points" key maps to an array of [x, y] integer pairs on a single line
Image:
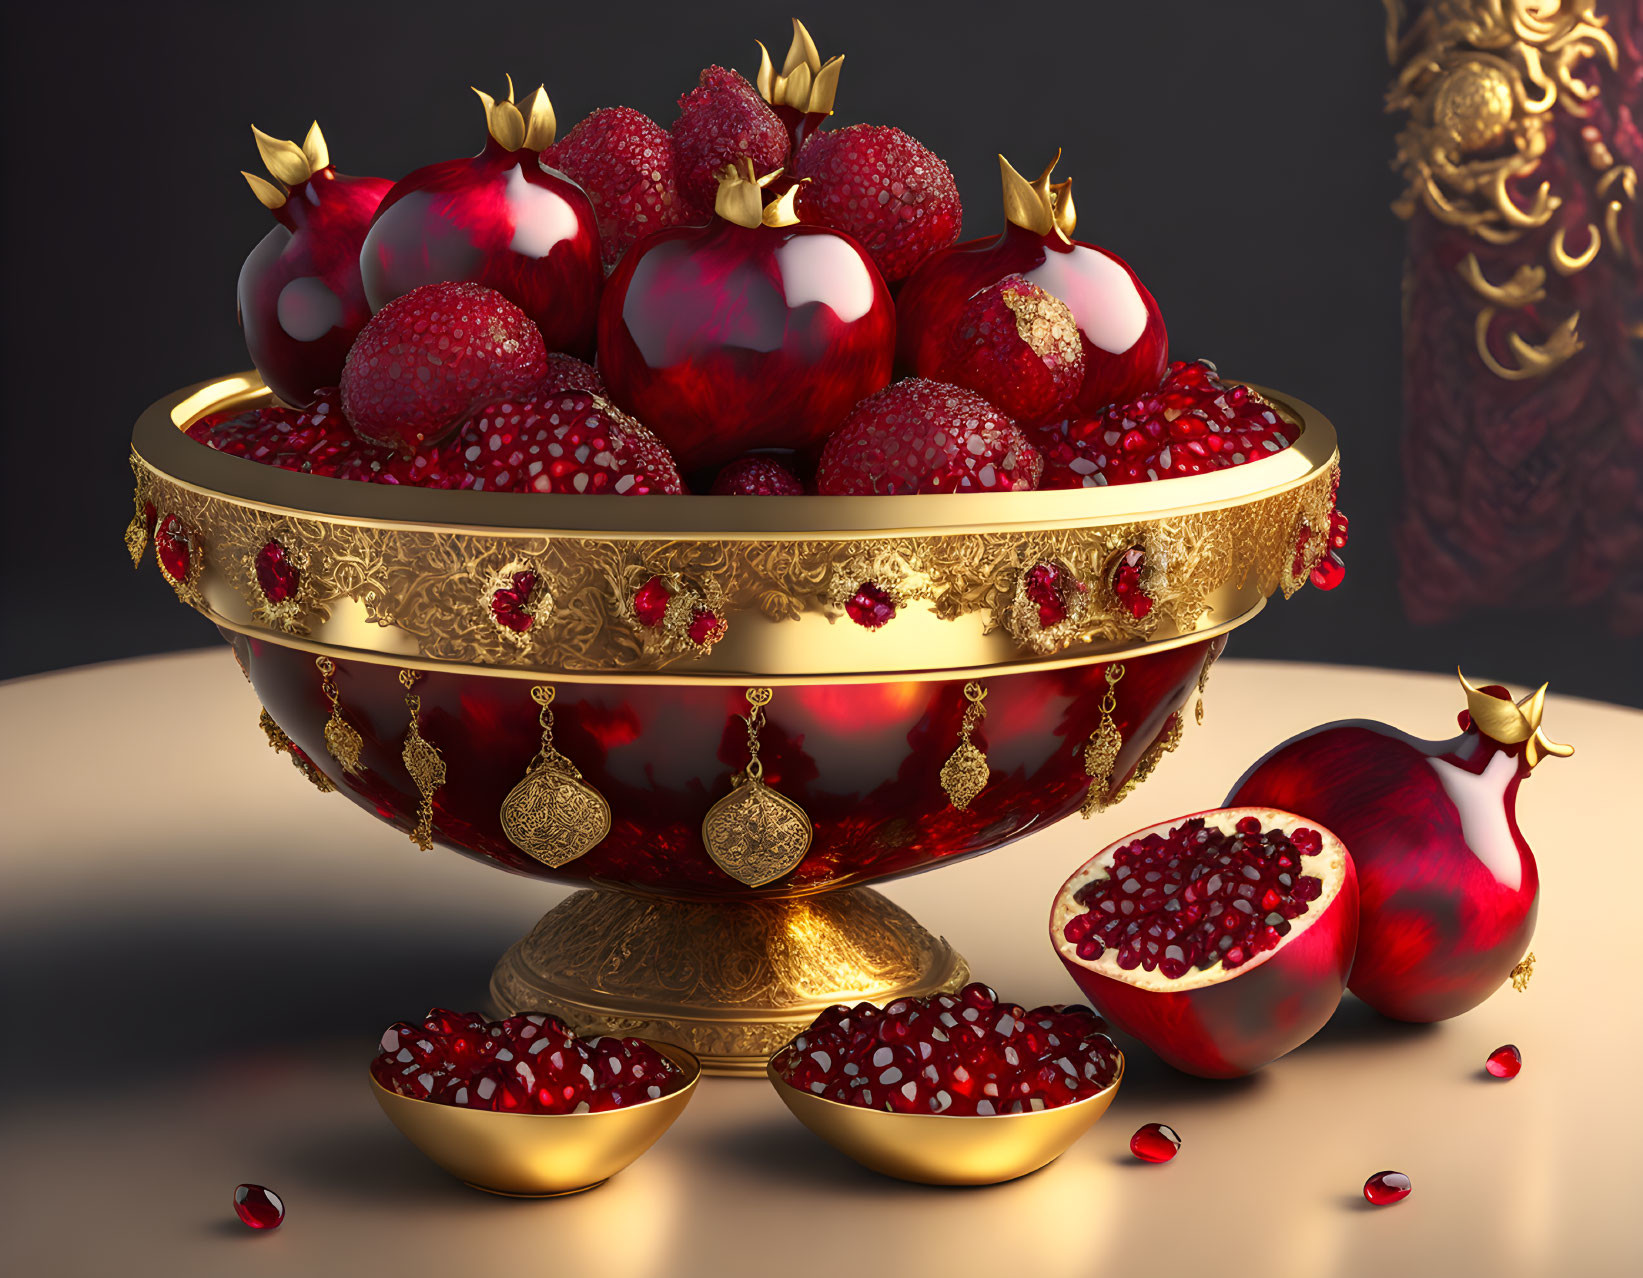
{"points": [[730, 980]]}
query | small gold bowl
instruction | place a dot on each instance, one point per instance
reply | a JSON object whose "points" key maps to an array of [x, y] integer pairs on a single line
{"points": [[947, 1149], [538, 1155]]}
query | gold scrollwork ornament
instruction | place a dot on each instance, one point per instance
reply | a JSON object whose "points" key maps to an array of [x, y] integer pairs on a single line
{"points": [[965, 773], [755, 834], [342, 739], [282, 744], [1101, 750], [424, 762], [553, 814]]}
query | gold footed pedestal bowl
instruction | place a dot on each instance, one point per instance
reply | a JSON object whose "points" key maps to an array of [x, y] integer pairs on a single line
{"points": [[721, 717]]}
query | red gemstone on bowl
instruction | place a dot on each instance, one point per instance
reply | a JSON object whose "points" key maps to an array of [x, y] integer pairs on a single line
{"points": [[1155, 1143], [1387, 1187], [871, 606], [511, 605], [1126, 583], [277, 576], [171, 544], [1504, 1062], [1329, 573], [258, 1207], [1046, 588], [706, 626], [650, 604]]}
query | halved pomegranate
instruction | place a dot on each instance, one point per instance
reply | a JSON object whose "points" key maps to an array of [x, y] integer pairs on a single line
{"points": [[1221, 940]]}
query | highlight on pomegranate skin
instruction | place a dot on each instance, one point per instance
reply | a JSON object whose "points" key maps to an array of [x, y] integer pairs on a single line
{"points": [[526, 1064], [1221, 940], [965, 1054]]}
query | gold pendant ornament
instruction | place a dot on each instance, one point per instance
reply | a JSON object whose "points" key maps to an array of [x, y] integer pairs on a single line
{"points": [[342, 739], [1203, 682], [1523, 971], [1101, 751], [965, 773], [425, 764], [552, 814], [755, 834], [283, 744]]}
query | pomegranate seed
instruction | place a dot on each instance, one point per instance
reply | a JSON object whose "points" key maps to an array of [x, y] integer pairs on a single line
{"points": [[871, 606], [1387, 1187], [650, 604], [1329, 573], [1155, 1143], [258, 1207], [1504, 1062]]}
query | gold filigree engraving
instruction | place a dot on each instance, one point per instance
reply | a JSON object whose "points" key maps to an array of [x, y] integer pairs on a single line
{"points": [[423, 762], [756, 834], [342, 739], [553, 814], [965, 773], [1101, 750], [283, 744]]}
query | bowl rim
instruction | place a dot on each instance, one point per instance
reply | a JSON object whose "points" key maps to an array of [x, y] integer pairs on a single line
{"points": [[681, 1056], [783, 1087], [160, 441]]}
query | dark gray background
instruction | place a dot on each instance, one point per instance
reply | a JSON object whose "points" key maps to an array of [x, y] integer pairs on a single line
{"points": [[1235, 154]]}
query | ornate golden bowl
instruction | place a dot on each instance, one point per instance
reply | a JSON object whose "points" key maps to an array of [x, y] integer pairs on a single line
{"points": [[671, 701], [947, 1149], [538, 1155]]}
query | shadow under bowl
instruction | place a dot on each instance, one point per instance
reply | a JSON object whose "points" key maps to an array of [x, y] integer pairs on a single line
{"points": [[538, 1155]]}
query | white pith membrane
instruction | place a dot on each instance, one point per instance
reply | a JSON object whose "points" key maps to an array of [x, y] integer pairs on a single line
{"points": [[1327, 865]]}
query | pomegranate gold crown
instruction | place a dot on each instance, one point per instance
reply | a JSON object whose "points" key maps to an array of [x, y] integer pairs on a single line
{"points": [[1512, 723], [289, 164], [740, 198], [805, 83], [526, 125], [1036, 204]]}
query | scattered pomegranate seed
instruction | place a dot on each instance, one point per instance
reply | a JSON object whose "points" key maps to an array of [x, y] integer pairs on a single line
{"points": [[1387, 1187], [1155, 1143], [258, 1207], [967, 1054], [277, 576], [650, 603], [1504, 1062], [871, 606]]}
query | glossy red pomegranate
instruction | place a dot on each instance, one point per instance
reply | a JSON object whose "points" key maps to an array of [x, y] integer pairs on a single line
{"points": [[301, 302], [1125, 346], [1221, 940], [1448, 882], [500, 218], [752, 331]]}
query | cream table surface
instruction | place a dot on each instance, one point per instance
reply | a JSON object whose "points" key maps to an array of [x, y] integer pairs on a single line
{"points": [[198, 951]]}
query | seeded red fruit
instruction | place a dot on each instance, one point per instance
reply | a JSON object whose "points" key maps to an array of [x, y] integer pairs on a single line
{"points": [[1193, 423], [301, 301], [316, 440], [920, 436], [1155, 1143], [258, 1207], [1220, 940], [965, 1054], [1450, 885], [721, 121], [500, 218], [1018, 347], [757, 476], [1387, 1187], [527, 1064], [1124, 343], [624, 161], [1504, 1062], [567, 373], [892, 194], [428, 359], [572, 442]]}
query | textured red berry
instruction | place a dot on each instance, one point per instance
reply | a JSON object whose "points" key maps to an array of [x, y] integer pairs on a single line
{"points": [[624, 161], [429, 358], [720, 121], [572, 442], [884, 188], [757, 476], [1018, 347], [566, 372], [258, 1207], [919, 436], [1193, 423]]}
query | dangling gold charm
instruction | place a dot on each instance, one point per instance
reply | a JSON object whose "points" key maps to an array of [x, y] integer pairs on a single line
{"points": [[965, 773], [283, 744], [425, 764], [1203, 682], [553, 814], [1523, 971], [137, 532], [754, 834], [1101, 751], [342, 739]]}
